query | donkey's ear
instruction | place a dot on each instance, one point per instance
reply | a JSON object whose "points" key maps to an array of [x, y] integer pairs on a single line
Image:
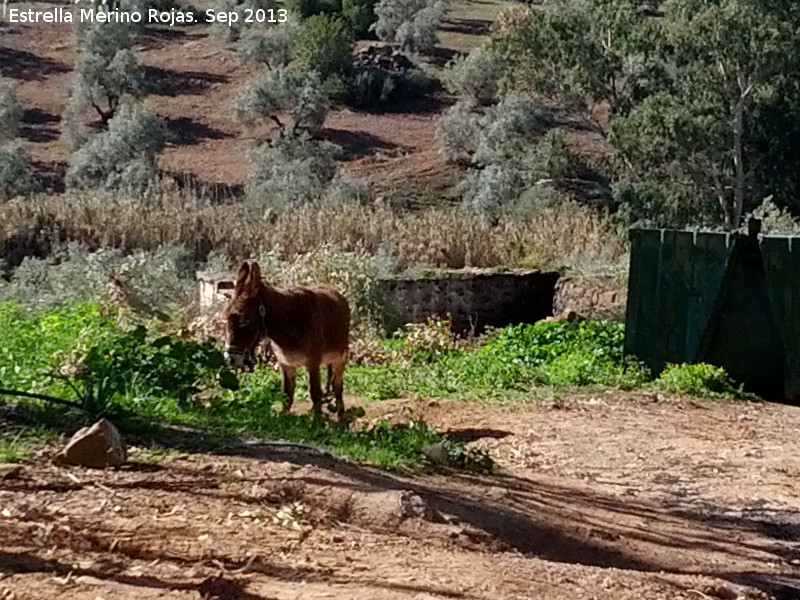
{"points": [[254, 277], [241, 277]]}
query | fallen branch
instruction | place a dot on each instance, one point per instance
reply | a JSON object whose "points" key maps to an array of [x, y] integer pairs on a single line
{"points": [[21, 394]]}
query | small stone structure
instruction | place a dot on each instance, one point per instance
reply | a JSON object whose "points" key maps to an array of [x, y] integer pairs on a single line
{"points": [[214, 287]]}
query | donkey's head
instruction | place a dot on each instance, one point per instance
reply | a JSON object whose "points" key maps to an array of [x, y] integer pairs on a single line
{"points": [[244, 315]]}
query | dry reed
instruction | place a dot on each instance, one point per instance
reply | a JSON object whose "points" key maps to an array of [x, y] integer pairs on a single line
{"points": [[566, 235]]}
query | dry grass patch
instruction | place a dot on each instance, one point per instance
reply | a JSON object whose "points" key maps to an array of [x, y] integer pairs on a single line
{"points": [[567, 235]]}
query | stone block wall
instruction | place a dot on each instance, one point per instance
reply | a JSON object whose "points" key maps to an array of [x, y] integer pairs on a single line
{"points": [[592, 297], [475, 300]]}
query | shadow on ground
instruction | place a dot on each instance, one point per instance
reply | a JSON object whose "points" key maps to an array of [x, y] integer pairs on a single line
{"points": [[27, 66], [167, 82], [537, 516], [39, 126], [185, 131], [357, 144]]}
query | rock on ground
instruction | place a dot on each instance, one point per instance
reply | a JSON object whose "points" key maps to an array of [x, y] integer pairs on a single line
{"points": [[98, 446]]}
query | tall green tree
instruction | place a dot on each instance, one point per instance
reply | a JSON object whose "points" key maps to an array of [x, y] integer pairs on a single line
{"points": [[729, 61], [586, 55]]}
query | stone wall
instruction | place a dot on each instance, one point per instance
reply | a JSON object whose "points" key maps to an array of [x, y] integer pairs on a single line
{"points": [[592, 297], [475, 300]]}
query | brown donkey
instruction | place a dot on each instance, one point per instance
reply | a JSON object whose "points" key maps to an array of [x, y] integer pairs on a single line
{"points": [[306, 327]]}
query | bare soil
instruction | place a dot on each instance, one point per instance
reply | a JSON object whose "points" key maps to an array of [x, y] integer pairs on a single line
{"points": [[614, 495]]}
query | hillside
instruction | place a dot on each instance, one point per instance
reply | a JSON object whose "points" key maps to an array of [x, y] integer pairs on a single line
{"points": [[192, 75]]}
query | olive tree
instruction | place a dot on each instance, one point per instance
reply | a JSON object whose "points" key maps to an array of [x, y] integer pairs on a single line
{"points": [[106, 71], [123, 157], [289, 170], [411, 24], [15, 172], [281, 91]]}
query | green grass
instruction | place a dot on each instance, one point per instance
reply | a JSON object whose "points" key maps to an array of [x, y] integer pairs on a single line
{"points": [[13, 450], [139, 379], [34, 344], [17, 445], [701, 380], [508, 364]]}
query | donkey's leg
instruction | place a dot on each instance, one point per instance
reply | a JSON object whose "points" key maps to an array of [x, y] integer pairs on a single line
{"points": [[329, 382], [289, 381], [336, 371], [315, 387]]}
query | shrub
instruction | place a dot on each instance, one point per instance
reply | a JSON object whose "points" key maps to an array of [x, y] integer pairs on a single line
{"points": [[490, 189], [458, 131], [163, 278], [134, 363], [273, 47], [124, 156], [325, 45], [345, 189], [360, 14], [508, 130], [16, 178], [701, 379], [475, 76], [106, 71], [412, 24], [532, 202], [374, 87], [433, 336], [370, 86], [288, 171], [10, 112], [296, 91]]}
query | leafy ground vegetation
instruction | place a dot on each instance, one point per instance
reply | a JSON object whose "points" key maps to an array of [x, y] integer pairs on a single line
{"points": [[138, 376]]}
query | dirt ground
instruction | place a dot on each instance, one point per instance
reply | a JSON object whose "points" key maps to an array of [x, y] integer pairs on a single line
{"points": [[615, 496]]}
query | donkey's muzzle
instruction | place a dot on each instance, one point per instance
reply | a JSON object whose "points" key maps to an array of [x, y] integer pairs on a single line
{"points": [[235, 356]]}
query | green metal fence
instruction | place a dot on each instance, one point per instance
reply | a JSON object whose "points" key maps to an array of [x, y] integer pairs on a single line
{"points": [[728, 299]]}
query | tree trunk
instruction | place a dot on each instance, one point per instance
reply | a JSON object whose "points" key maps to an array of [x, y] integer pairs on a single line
{"points": [[724, 206], [738, 163]]}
